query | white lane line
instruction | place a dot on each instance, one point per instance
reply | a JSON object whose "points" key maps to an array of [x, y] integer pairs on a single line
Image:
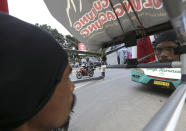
{"points": [[78, 87]]}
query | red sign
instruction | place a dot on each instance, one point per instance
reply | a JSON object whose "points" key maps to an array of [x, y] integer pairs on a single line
{"points": [[82, 47], [4, 6], [144, 48]]}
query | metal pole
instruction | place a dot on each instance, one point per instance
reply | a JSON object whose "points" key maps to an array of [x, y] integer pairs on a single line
{"points": [[82, 52], [155, 65], [117, 66], [177, 14], [147, 56], [176, 64], [166, 118], [109, 52]]}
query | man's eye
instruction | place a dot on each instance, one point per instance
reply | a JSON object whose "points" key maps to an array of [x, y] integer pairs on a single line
{"points": [[158, 49], [169, 48]]}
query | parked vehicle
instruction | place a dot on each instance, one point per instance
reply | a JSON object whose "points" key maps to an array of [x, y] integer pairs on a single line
{"points": [[84, 72], [95, 62], [158, 77]]}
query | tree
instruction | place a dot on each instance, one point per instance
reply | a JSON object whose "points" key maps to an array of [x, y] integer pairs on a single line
{"points": [[72, 41], [59, 37], [65, 41]]}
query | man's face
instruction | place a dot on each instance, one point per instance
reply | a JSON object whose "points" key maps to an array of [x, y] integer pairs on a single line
{"points": [[56, 112], [165, 51]]}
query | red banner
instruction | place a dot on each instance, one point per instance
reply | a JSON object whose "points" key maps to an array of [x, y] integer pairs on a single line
{"points": [[4, 6], [82, 47], [144, 48]]}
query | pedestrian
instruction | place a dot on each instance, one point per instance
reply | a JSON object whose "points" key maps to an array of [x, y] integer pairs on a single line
{"points": [[165, 45], [88, 65], [36, 93], [123, 55]]}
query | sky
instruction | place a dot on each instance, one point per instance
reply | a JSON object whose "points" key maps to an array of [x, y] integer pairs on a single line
{"points": [[34, 11]]}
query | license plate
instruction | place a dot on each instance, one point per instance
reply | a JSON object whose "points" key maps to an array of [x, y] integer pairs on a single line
{"points": [[161, 83]]}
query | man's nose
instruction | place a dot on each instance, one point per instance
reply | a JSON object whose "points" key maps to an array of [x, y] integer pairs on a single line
{"points": [[164, 53]]}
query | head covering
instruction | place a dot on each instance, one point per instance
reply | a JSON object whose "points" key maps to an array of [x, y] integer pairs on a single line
{"points": [[166, 36], [32, 64]]}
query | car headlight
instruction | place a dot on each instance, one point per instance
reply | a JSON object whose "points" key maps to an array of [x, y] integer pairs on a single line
{"points": [[138, 70]]}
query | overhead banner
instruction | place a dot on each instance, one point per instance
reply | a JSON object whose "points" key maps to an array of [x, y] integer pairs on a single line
{"points": [[94, 22]]}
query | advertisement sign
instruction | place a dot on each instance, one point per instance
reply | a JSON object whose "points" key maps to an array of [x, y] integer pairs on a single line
{"points": [[95, 22], [82, 47], [172, 73]]}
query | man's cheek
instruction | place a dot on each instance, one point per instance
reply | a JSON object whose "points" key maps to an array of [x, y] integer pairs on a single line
{"points": [[73, 101], [176, 58]]}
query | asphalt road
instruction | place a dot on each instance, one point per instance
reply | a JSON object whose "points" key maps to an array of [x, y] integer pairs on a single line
{"points": [[118, 104]]}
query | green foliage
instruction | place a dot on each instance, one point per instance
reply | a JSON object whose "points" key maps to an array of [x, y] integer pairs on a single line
{"points": [[72, 41], [68, 41], [59, 37]]}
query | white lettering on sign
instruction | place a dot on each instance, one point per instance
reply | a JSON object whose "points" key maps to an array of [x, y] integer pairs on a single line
{"points": [[174, 73], [69, 2], [100, 13]]}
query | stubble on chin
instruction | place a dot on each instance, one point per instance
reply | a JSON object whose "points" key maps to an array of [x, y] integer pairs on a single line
{"points": [[65, 126]]}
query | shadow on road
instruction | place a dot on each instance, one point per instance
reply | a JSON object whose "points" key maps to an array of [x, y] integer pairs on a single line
{"points": [[154, 90]]}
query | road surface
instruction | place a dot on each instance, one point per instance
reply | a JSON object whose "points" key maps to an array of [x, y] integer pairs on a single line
{"points": [[117, 104]]}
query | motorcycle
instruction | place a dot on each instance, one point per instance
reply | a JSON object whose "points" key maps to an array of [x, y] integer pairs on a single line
{"points": [[84, 72]]}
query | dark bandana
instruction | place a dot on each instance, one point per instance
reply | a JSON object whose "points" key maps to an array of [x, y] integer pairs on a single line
{"points": [[166, 36], [31, 65]]}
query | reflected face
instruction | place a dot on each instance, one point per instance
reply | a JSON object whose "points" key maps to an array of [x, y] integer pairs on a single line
{"points": [[57, 111], [165, 51]]}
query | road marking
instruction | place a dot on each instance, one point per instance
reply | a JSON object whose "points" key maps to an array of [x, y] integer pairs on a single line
{"points": [[78, 87]]}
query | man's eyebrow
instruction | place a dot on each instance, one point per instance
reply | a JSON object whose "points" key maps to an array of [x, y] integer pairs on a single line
{"points": [[166, 47]]}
